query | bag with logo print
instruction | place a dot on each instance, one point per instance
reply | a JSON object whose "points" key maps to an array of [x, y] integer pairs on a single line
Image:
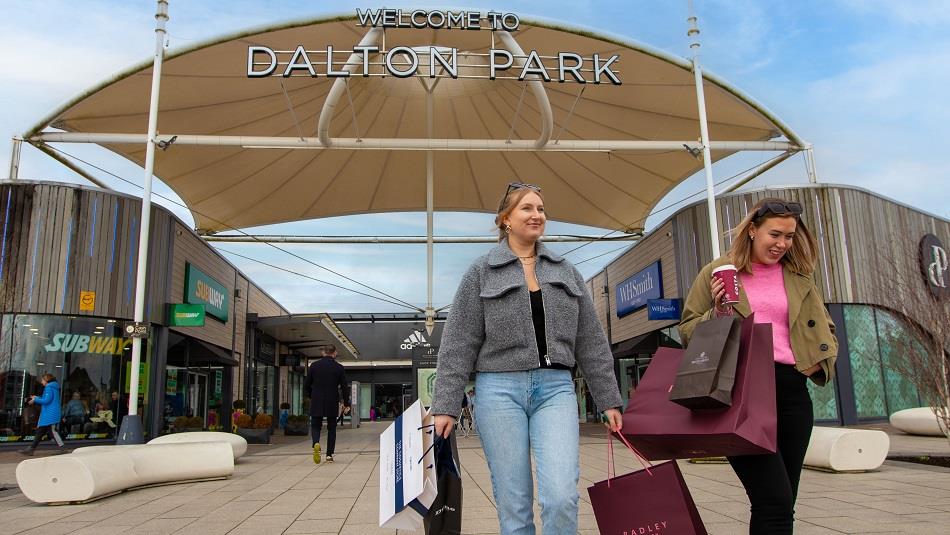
{"points": [[652, 501], [445, 513], [707, 371], [407, 480], [661, 429]]}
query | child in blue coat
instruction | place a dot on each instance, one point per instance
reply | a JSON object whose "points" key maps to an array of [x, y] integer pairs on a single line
{"points": [[50, 413]]}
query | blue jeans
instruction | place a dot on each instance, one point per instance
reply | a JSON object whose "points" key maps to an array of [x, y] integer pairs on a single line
{"points": [[520, 413]]}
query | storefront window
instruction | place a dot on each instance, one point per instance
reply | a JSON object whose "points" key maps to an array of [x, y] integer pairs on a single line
{"points": [[262, 388], [875, 339], [89, 358], [295, 381]]}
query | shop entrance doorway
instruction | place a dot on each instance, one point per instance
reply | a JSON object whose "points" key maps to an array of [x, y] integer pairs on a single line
{"points": [[390, 400]]}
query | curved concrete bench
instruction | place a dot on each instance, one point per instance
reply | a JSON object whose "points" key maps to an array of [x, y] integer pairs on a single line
{"points": [[98, 471], [918, 421], [237, 442], [846, 450]]}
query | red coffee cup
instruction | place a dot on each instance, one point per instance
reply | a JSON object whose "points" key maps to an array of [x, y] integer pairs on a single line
{"points": [[730, 280]]}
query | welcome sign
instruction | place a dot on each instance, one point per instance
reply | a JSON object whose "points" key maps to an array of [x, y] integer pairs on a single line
{"points": [[405, 61], [200, 289], [634, 292]]}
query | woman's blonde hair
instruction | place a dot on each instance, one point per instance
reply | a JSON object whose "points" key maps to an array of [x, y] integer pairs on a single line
{"points": [[508, 204], [48, 377], [800, 257]]}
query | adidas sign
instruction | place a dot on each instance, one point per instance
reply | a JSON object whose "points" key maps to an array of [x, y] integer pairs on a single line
{"points": [[414, 340]]}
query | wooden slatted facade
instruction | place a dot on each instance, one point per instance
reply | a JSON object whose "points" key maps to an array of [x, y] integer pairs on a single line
{"points": [[59, 240], [855, 230]]}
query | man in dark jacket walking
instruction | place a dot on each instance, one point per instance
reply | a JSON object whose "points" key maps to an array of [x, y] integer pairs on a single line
{"points": [[326, 381]]}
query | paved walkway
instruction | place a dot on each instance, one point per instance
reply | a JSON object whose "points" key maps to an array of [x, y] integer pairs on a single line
{"points": [[278, 489]]}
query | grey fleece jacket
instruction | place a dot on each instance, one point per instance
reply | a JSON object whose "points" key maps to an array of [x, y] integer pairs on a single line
{"points": [[489, 328]]}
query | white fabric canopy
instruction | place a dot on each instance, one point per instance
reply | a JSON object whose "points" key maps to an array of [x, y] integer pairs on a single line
{"points": [[206, 91]]}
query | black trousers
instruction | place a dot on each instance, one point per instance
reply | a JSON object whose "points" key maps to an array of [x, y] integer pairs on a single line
{"points": [[316, 425], [771, 481], [42, 430]]}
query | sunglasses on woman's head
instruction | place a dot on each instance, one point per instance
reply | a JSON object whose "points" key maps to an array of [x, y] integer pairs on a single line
{"points": [[780, 208], [514, 186]]}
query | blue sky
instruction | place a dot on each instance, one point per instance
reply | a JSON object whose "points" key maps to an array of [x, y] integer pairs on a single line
{"points": [[863, 80]]}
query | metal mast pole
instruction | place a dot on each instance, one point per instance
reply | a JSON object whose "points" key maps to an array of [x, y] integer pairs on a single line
{"points": [[15, 157], [430, 207], [131, 430], [704, 133]]}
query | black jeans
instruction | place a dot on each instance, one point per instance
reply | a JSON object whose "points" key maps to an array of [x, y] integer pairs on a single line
{"points": [[316, 425], [42, 430], [771, 481]]}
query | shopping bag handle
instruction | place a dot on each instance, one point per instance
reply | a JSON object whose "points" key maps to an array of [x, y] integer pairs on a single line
{"points": [[611, 469]]}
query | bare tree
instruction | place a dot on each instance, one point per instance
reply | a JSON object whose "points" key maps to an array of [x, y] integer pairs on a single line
{"points": [[919, 332]]}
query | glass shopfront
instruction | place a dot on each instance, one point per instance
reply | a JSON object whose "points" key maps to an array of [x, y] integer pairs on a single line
{"points": [[90, 359], [877, 338]]}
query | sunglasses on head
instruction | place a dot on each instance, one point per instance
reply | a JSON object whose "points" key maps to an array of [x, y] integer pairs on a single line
{"points": [[515, 186], [780, 208]]}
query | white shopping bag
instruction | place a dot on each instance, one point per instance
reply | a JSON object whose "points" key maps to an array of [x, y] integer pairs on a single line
{"points": [[407, 479]]}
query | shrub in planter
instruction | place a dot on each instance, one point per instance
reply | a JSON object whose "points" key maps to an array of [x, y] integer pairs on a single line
{"points": [[247, 428], [188, 423], [262, 421], [297, 425]]}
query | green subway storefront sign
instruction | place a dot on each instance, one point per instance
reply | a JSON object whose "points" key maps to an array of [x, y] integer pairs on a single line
{"points": [[200, 289], [186, 315]]}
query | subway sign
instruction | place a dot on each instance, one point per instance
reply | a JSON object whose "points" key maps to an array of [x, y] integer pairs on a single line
{"points": [[84, 343], [186, 315], [200, 289]]}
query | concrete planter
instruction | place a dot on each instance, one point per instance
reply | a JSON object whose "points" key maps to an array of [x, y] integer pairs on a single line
{"points": [[254, 435], [296, 429]]}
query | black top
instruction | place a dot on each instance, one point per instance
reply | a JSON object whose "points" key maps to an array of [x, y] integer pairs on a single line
{"points": [[324, 384], [537, 317]]}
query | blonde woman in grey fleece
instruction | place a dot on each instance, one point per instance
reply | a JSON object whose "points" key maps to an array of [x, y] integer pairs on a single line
{"points": [[522, 320]]}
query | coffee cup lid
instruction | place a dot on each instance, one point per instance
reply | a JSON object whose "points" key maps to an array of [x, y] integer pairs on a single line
{"points": [[724, 268]]}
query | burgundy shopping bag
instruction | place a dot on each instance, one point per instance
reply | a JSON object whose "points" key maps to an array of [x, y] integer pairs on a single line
{"points": [[651, 501], [661, 429]]}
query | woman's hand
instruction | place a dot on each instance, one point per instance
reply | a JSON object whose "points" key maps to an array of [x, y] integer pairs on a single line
{"points": [[813, 370], [444, 425], [717, 290], [614, 420]]}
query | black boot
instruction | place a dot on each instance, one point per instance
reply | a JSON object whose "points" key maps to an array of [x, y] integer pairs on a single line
{"points": [[28, 452]]}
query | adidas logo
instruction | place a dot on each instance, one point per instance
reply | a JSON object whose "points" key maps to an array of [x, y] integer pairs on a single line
{"points": [[414, 340]]}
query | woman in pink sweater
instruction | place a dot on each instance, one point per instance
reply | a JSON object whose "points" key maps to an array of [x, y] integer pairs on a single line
{"points": [[775, 256]]}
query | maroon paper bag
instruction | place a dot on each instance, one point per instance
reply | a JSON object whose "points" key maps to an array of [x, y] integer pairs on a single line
{"points": [[650, 501], [661, 429]]}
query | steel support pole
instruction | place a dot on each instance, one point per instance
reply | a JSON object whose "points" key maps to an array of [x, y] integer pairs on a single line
{"points": [[704, 135], [430, 208], [15, 147], [810, 164], [161, 17]]}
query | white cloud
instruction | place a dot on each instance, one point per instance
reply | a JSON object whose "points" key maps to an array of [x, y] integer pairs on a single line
{"points": [[917, 12]]}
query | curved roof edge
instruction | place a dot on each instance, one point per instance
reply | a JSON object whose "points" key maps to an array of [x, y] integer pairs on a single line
{"points": [[820, 185], [539, 21]]}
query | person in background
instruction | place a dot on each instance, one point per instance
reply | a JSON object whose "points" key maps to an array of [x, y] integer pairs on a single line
{"points": [[775, 255], [50, 414], [75, 414], [522, 319], [325, 385]]}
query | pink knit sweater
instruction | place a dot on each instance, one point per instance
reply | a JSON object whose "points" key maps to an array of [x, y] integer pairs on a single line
{"points": [[765, 289]]}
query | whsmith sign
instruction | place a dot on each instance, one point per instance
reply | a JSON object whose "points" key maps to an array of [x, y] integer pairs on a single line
{"points": [[404, 61], [200, 289]]}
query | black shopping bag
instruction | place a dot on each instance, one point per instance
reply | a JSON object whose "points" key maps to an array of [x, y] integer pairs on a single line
{"points": [[445, 514], [707, 371]]}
